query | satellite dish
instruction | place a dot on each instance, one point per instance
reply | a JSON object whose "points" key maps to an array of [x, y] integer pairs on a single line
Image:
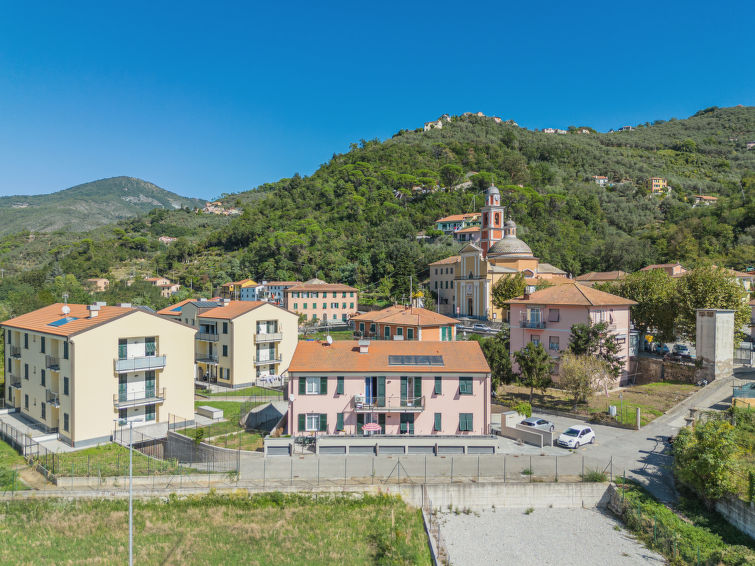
{"points": [[66, 309], [329, 339]]}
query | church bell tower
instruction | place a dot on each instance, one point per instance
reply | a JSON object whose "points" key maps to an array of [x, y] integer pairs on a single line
{"points": [[491, 229]]}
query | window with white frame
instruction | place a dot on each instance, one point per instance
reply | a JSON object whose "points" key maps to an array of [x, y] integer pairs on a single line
{"points": [[313, 386], [313, 421], [553, 343]]}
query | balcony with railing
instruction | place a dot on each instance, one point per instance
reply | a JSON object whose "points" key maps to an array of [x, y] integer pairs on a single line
{"points": [[52, 398], [534, 324], [149, 396], [52, 363], [206, 358], [14, 381], [139, 363], [208, 336], [15, 351], [267, 360], [387, 404], [261, 337]]}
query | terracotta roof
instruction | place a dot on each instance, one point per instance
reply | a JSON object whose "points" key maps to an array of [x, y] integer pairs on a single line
{"points": [[661, 266], [171, 310], [573, 294], [602, 276], [232, 309], [458, 217], [321, 287], [448, 260], [40, 319], [469, 229], [399, 314], [344, 356], [279, 283], [557, 280], [705, 197]]}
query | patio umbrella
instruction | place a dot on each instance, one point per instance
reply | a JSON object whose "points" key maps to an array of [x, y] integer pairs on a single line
{"points": [[372, 427]]}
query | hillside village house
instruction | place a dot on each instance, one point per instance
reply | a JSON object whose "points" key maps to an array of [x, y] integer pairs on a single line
{"points": [[471, 234], [594, 277], [75, 369], [450, 224], [547, 316], [672, 269], [442, 275], [273, 291], [600, 180], [657, 184], [98, 284], [401, 322], [167, 240], [422, 388], [326, 302], [705, 200], [238, 342], [167, 288], [479, 267], [437, 123], [234, 289]]}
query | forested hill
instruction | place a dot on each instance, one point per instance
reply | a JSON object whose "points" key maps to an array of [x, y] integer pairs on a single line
{"points": [[358, 217], [86, 206]]}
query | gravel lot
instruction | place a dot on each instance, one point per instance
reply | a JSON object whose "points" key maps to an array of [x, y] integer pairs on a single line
{"points": [[545, 537]]}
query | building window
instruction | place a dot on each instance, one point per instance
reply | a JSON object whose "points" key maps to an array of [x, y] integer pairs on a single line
{"points": [[225, 350], [26, 401], [554, 315], [122, 348], [42, 378], [296, 306], [313, 385], [553, 343], [400, 331], [42, 344], [535, 340], [410, 333], [361, 328], [351, 294], [372, 328], [314, 421], [351, 305], [65, 386], [149, 346], [325, 305], [436, 425], [436, 271], [304, 306], [438, 385], [225, 328], [387, 332], [149, 413], [436, 284], [406, 424], [44, 411], [465, 386], [26, 341], [465, 422], [26, 371], [339, 385], [66, 423]]}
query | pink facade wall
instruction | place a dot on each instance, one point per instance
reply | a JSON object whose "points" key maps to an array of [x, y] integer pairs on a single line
{"points": [[450, 403], [616, 317]]}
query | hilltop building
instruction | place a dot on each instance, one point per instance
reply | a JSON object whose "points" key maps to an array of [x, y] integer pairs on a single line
{"points": [[455, 222], [415, 388], [400, 322], [235, 290], [166, 286], [672, 269], [98, 284], [237, 342], [326, 302], [480, 265], [74, 369], [705, 200], [600, 180], [657, 184]]}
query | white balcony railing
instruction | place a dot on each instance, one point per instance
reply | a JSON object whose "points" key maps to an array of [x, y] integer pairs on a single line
{"points": [[149, 396], [269, 337], [140, 363]]}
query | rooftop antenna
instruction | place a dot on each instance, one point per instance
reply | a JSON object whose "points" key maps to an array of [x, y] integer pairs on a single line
{"points": [[66, 309]]}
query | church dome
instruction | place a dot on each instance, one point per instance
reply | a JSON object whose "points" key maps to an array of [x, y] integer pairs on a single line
{"points": [[492, 190], [510, 223], [510, 246]]}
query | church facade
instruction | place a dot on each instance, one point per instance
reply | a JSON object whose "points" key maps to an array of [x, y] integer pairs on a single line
{"points": [[478, 267]]}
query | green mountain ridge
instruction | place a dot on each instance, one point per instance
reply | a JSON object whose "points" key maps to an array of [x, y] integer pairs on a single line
{"points": [[86, 206]]}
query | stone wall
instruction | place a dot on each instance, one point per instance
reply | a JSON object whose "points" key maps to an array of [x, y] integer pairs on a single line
{"points": [[738, 513], [650, 370]]}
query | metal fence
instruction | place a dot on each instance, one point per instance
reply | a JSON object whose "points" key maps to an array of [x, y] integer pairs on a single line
{"points": [[437, 541]]}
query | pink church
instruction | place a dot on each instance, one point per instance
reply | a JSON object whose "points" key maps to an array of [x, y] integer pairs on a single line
{"points": [[420, 388]]}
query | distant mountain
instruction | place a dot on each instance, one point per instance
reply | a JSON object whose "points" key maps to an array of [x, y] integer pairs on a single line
{"points": [[87, 206]]}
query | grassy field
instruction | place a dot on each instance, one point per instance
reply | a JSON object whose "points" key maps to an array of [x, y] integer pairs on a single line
{"points": [[239, 441], [236, 529], [335, 334], [653, 400], [109, 460], [248, 392], [10, 462], [226, 433]]}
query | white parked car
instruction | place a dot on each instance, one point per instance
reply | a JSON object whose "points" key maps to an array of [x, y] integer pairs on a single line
{"points": [[576, 436]]}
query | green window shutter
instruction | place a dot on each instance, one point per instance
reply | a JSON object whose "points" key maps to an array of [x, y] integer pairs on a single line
{"points": [[438, 385], [323, 386], [302, 386], [462, 421], [437, 422], [339, 421], [339, 385], [465, 386], [404, 385], [417, 387], [403, 426], [381, 422], [381, 391], [302, 422], [360, 423], [323, 422]]}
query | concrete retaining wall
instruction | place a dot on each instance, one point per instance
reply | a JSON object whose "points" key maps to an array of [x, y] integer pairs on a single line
{"points": [[405, 444], [650, 370], [547, 435], [526, 436], [739, 514]]}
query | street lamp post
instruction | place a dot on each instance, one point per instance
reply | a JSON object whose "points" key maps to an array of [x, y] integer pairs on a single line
{"points": [[122, 423]]}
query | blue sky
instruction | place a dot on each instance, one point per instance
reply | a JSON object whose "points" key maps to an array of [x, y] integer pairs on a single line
{"points": [[203, 98]]}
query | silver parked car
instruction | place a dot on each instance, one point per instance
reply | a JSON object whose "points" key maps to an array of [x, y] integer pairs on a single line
{"points": [[539, 424]]}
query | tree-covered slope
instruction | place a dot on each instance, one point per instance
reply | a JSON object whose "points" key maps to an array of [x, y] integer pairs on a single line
{"points": [[86, 206]]}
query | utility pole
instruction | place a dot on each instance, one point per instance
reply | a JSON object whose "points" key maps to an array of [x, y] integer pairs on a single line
{"points": [[411, 293]]}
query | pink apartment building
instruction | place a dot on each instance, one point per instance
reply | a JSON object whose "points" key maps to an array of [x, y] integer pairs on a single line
{"points": [[318, 300], [547, 316], [421, 388]]}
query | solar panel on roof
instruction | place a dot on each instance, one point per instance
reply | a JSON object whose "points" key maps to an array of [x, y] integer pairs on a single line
{"points": [[415, 361], [178, 308], [205, 304], [62, 321]]}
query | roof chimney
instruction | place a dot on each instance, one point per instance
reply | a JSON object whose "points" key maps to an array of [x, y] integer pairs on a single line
{"points": [[94, 310], [364, 346], [124, 305], [225, 302]]}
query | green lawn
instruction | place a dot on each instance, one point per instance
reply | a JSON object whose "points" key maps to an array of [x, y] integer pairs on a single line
{"points": [[10, 460], [239, 440], [335, 334], [230, 529], [248, 392], [231, 411], [109, 460]]}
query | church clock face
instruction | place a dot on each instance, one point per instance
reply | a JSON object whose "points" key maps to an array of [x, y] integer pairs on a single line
{"points": [[496, 199]]}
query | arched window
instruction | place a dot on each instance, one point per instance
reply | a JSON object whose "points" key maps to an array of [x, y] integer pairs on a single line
{"points": [[497, 219], [485, 219], [470, 275]]}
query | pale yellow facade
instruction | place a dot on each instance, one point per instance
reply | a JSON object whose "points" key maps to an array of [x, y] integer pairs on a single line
{"points": [[80, 384]]}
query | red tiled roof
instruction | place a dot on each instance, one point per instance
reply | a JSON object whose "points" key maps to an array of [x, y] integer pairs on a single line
{"points": [[469, 229], [602, 276], [399, 314], [448, 260], [344, 356], [40, 319], [573, 294], [661, 266], [232, 309], [322, 287]]}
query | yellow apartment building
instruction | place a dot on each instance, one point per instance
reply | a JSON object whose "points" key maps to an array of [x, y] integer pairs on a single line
{"points": [[75, 369], [237, 342], [657, 184], [233, 289]]}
